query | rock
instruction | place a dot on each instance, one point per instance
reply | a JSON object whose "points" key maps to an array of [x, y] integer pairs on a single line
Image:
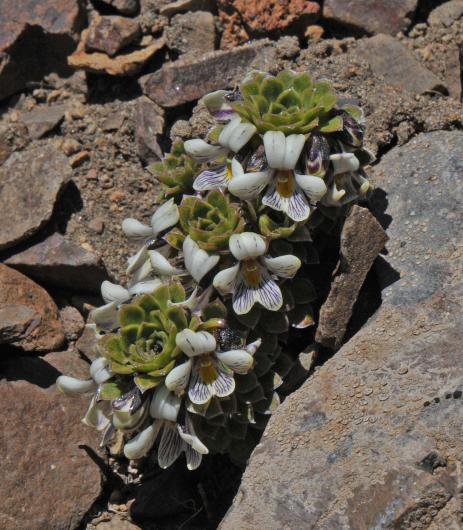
{"points": [[446, 14], [52, 480], [191, 34], [374, 439], [31, 182], [184, 81], [391, 59], [123, 65], [42, 120], [185, 5], [111, 34], [149, 126], [79, 158], [113, 122], [35, 38], [63, 263], [29, 317], [87, 343], [116, 523], [96, 225], [362, 239], [71, 146], [371, 16], [126, 7], [73, 322]]}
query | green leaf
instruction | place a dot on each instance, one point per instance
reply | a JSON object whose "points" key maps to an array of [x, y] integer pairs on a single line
{"points": [[111, 347], [129, 335], [177, 292], [145, 382], [271, 88], [215, 309], [111, 390], [178, 317], [334, 124], [131, 314]]}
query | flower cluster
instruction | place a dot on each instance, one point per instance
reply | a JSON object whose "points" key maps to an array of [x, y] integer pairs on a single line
{"points": [[192, 349]]}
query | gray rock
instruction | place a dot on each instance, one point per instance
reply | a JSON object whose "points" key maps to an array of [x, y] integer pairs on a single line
{"points": [[111, 34], [48, 480], [149, 126], [126, 7], [362, 239], [183, 81], [63, 263], [372, 16], [17, 321], [375, 438], [389, 58], [42, 120], [191, 34], [446, 14], [180, 6], [73, 322], [31, 182]]}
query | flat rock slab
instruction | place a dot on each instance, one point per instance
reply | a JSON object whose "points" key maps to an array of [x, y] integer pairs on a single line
{"points": [[111, 34], [389, 58], [42, 120], [59, 262], [48, 482], [375, 438], [29, 317], [362, 239], [31, 182], [183, 81], [372, 16]]}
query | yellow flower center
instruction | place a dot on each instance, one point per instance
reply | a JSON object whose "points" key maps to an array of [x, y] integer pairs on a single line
{"points": [[251, 271], [207, 370], [228, 174], [285, 183]]}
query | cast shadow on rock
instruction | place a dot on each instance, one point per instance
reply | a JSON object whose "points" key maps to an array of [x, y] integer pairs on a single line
{"points": [[17, 367]]}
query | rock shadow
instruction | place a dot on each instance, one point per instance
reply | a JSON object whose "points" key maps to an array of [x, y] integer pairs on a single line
{"points": [[15, 366]]}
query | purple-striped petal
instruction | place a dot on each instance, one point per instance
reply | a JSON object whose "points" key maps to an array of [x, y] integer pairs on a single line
{"points": [[296, 207], [211, 179]]}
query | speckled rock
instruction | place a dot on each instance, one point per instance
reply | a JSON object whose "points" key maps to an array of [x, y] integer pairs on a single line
{"points": [[111, 34], [48, 481], [375, 438], [191, 34], [126, 7], [42, 120], [446, 13], [372, 16]]}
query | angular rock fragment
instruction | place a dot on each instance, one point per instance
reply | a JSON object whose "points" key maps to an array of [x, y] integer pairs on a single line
{"points": [[31, 182], [191, 34], [183, 81], [389, 58], [446, 14], [59, 262], [42, 120], [362, 239], [126, 7], [374, 439], [371, 16], [180, 6], [49, 482], [29, 317], [125, 64], [149, 125], [111, 34]]}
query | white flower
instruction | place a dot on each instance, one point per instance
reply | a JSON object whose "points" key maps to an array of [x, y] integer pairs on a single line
{"points": [[72, 386], [218, 105], [207, 373], [234, 136], [164, 217], [140, 444], [251, 280], [197, 261], [287, 191]]}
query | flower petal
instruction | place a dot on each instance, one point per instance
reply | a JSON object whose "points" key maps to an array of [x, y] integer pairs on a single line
{"points": [[177, 379], [296, 206], [211, 179], [165, 404], [162, 265], [224, 385], [333, 196], [197, 261], [97, 415], [243, 297], [313, 187], [202, 151], [240, 361], [135, 230], [236, 134], [344, 162], [72, 386], [283, 266], [100, 371], [141, 273], [225, 279], [218, 105], [199, 392], [106, 316], [136, 261], [111, 292], [248, 185], [269, 294], [170, 446], [275, 147], [293, 149], [164, 217], [247, 245], [194, 343], [193, 458], [140, 444], [253, 347], [147, 286], [189, 436]]}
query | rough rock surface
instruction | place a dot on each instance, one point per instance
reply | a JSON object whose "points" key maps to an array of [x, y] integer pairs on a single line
{"points": [[51, 29], [111, 34], [191, 34], [183, 81], [374, 438], [149, 126], [446, 13], [48, 482], [59, 262], [362, 239], [371, 16], [30, 318], [42, 120], [31, 182], [389, 58], [126, 7]]}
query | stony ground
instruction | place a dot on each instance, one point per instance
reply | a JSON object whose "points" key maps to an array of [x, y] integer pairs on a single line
{"points": [[75, 145]]}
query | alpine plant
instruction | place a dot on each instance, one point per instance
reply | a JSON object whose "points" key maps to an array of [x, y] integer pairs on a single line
{"points": [[191, 350]]}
